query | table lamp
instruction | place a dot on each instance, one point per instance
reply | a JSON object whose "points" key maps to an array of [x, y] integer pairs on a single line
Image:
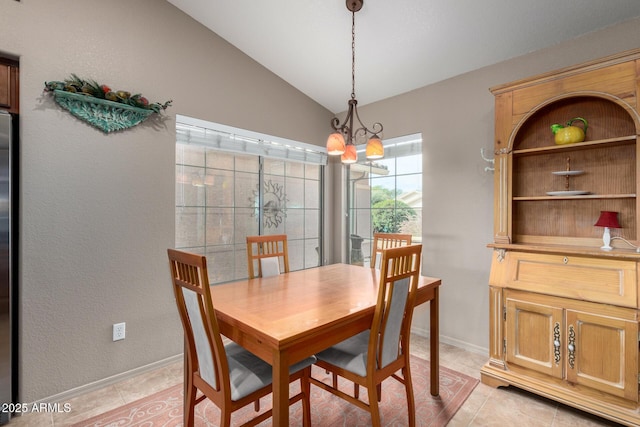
{"points": [[607, 220]]}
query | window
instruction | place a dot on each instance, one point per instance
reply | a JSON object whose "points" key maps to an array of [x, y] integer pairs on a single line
{"points": [[386, 195], [230, 186]]}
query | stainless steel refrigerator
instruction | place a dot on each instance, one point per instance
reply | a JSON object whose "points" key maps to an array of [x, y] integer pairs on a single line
{"points": [[8, 288]]}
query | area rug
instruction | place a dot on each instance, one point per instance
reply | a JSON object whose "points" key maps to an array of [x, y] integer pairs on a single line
{"points": [[165, 408]]}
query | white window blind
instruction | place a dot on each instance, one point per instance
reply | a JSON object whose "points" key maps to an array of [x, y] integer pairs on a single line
{"points": [[227, 138]]}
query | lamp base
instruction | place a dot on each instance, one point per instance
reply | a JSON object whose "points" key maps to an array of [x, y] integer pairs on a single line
{"points": [[606, 240]]}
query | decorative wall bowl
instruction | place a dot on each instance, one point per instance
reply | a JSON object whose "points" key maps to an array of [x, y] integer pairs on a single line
{"points": [[106, 109], [105, 115]]}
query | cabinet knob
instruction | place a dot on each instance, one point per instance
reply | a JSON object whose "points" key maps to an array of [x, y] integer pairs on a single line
{"points": [[565, 260], [572, 347], [556, 343]]}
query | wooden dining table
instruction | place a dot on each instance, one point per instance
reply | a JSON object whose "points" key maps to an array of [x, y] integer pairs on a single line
{"points": [[286, 318]]}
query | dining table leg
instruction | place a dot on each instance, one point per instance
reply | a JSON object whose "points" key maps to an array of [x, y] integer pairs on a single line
{"points": [[280, 383], [434, 318]]}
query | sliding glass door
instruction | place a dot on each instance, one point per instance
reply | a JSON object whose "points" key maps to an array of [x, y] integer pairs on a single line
{"points": [[385, 196], [222, 197]]}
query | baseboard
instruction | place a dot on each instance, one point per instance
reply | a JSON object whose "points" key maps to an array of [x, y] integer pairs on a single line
{"points": [[96, 385], [452, 341]]}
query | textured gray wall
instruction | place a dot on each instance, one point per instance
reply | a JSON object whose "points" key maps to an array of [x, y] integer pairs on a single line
{"points": [[98, 210]]}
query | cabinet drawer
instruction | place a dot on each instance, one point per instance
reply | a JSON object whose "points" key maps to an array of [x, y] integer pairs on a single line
{"points": [[600, 280]]}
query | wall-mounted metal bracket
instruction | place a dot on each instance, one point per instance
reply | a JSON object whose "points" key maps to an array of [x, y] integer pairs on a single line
{"points": [[486, 159]]}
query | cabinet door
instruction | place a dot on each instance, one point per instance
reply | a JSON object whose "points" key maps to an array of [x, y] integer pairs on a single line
{"points": [[5, 86], [602, 353], [533, 332]]}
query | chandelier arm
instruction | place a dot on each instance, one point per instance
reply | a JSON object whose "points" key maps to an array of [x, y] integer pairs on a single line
{"points": [[373, 129], [335, 124], [362, 130], [376, 131], [347, 126], [366, 131]]}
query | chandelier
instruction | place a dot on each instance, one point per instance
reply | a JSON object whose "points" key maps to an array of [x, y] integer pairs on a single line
{"points": [[342, 140]]}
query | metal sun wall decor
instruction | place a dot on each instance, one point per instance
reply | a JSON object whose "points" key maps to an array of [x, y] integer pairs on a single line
{"points": [[273, 206], [100, 106]]}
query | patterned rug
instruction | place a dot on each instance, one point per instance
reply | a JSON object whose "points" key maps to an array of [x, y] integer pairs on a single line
{"points": [[165, 408]]}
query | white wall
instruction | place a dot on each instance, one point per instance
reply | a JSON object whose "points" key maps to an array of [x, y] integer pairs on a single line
{"points": [[97, 210]]}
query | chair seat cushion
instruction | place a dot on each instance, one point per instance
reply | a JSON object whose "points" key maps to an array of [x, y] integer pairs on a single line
{"points": [[248, 373], [350, 354]]}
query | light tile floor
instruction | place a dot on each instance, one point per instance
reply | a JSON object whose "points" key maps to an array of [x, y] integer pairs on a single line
{"points": [[485, 407]]}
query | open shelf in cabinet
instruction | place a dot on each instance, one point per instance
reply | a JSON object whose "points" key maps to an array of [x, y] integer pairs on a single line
{"points": [[572, 217], [622, 140], [608, 123], [607, 161], [608, 171], [579, 197]]}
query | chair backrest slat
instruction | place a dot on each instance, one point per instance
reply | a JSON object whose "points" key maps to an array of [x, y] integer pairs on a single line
{"points": [[382, 241], [261, 248]]}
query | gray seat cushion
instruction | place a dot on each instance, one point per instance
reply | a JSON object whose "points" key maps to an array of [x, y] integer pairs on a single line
{"points": [[248, 373], [350, 354]]}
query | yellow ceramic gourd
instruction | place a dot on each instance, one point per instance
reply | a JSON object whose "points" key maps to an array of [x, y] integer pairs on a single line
{"points": [[569, 134]]}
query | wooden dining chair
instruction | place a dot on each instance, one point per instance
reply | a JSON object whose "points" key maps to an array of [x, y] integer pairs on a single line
{"points": [[228, 375], [267, 255], [380, 352], [383, 241]]}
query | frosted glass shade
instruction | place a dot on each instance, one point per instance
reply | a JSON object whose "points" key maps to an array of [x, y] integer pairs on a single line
{"points": [[350, 155], [335, 144], [375, 150]]}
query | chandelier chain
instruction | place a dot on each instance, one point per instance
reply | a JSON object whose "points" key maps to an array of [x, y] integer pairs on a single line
{"points": [[353, 55]]}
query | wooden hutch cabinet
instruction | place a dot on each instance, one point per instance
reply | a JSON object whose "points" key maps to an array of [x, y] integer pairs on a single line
{"points": [[564, 314]]}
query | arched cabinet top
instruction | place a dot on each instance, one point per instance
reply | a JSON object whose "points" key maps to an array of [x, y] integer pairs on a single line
{"points": [[608, 117]]}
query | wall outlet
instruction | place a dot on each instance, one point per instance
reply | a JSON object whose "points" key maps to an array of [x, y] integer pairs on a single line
{"points": [[118, 331]]}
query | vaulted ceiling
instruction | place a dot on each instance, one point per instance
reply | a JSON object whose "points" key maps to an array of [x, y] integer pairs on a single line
{"points": [[400, 45]]}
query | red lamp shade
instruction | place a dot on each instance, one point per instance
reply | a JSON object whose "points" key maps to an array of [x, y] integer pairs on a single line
{"points": [[608, 219], [335, 144], [350, 155], [375, 150]]}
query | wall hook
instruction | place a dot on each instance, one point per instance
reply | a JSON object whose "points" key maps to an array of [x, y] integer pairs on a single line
{"points": [[492, 161]]}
